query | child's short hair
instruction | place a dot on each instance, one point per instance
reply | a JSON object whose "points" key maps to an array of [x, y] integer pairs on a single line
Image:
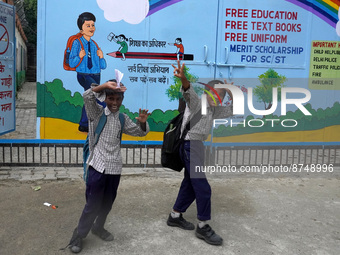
{"points": [[111, 92], [212, 84], [85, 16]]}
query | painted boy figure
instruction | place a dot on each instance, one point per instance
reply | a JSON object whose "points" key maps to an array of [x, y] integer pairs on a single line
{"points": [[105, 162], [180, 48], [90, 57]]}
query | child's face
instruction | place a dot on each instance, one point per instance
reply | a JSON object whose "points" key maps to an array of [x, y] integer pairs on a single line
{"points": [[221, 93], [88, 28], [113, 102], [178, 41]]}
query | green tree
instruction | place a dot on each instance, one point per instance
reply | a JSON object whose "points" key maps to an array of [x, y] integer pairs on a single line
{"points": [[174, 91], [30, 28], [269, 80], [47, 107], [60, 94]]}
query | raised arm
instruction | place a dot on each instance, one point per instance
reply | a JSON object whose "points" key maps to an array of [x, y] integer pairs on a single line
{"points": [[108, 85], [179, 72], [97, 92], [142, 117], [191, 98], [141, 128]]}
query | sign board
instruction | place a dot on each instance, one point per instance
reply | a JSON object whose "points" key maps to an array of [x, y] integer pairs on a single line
{"points": [[7, 68]]}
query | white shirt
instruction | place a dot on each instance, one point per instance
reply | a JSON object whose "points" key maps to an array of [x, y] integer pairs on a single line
{"points": [[106, 153]]}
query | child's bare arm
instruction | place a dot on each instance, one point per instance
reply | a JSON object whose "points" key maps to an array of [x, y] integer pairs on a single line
{"points": [[137, 129], [143, 115], [109, 85]]}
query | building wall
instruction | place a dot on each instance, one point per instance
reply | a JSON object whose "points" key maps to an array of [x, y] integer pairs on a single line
{"points": [[21, 59], [20, 50], [238, 40]]}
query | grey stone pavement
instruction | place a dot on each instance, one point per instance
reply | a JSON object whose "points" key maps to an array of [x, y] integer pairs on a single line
{"points": [[255, 214], [26, 113]]}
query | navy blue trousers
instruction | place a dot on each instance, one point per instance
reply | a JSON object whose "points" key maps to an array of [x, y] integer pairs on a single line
{"points": [[85, 80], [195, 184], [101, 191]]}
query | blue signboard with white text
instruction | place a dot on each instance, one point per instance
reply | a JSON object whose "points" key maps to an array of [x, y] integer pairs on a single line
{"points": [[7, 68]]}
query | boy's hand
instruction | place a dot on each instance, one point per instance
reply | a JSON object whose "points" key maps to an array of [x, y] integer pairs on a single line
{"points": [[100, 53], [113, 85], [122, 88], [179, 72], [82, 53], [110, 85], [143, 115]]}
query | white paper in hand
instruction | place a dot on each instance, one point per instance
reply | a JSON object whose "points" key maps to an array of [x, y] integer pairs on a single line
{"points": [[119, 77]]}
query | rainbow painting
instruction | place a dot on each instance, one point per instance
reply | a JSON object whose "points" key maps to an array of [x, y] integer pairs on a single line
{"points": [[157, 5], [327, 10]]}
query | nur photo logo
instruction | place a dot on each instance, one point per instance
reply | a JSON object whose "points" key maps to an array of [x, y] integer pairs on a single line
{"points": [[239, 104]]}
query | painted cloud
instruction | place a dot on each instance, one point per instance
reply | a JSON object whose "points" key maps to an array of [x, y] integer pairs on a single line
{"points": [[131, 11]]}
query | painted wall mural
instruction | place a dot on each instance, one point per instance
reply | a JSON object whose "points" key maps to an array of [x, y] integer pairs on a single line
{"points": [[271, 51]]}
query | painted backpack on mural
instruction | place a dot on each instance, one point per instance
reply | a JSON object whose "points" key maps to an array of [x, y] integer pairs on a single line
{"points": [[97, 132], [68, 51]]}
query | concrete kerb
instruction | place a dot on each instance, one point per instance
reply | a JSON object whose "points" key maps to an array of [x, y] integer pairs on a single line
{"points": [[74, 173], [60, 173]]}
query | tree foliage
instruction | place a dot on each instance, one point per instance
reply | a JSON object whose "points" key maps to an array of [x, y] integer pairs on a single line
{"points": [[174, 91], [30, 7], [47, 107], [60, 94], [269, 80]]}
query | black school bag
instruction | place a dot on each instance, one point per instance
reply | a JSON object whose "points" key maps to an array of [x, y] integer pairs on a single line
{"points": [[172, 140]]}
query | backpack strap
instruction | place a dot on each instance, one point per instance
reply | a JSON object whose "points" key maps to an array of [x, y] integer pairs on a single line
{"points": [[79, 35], [192, 122], [101, 124], [122, 122], [87, 154], [95, 44], [100, 127]]}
